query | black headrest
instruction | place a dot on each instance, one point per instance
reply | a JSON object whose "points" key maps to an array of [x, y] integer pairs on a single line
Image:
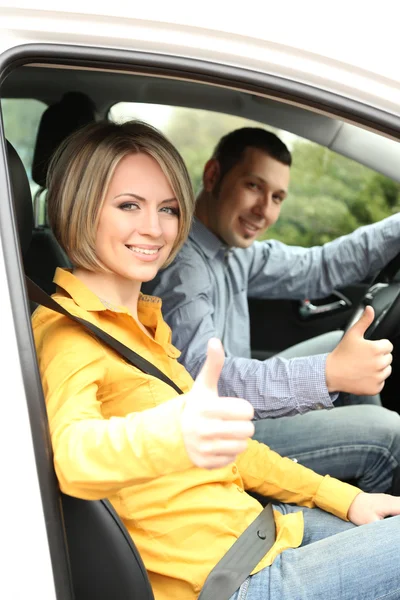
{"points": [[58, 121], [22, 197]]}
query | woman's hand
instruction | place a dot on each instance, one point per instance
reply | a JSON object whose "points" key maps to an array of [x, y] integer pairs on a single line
{"points": [[215, 430], [367, 508]]}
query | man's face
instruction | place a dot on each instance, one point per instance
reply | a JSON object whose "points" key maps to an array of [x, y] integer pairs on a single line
{"points": [[249, 198]]}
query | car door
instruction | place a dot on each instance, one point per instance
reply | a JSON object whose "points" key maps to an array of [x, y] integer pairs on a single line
{"points": [[279, 324]]}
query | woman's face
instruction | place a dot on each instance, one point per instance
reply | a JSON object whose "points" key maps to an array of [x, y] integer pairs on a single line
{"points": [[139, 220]]}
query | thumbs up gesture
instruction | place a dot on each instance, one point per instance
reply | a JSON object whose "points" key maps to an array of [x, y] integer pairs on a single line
{"points": [[215, 430], [356, 365]]}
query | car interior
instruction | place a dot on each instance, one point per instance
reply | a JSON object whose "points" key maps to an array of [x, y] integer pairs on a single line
{"points": [[72, 95]]}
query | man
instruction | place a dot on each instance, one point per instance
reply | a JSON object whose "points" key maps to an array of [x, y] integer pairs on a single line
{"points": [[205, 292]]}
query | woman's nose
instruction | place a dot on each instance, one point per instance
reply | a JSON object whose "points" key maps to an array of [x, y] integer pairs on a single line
{"points": [[150, 224]]}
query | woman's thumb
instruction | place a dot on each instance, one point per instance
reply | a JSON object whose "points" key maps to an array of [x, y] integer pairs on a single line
{"points": [[209, 374]]}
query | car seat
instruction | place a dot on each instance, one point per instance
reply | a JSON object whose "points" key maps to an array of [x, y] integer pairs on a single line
{"points": [[58, 121], [105, 563]]}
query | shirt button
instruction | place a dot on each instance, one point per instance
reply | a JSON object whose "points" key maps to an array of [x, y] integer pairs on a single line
{"points": [[318, 406], [234, 469], [241, 490]]}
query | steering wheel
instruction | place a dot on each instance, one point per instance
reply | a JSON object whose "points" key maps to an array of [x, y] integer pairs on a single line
{"points": [[384, 296]]}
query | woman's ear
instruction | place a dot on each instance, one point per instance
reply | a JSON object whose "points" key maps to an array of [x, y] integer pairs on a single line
{"points": [[211, 174]]}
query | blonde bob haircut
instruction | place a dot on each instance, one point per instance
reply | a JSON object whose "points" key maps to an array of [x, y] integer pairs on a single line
{"points": [[80, 174]]}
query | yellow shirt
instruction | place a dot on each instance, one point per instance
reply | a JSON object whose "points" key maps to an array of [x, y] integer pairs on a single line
{"points": [[115, 433]]}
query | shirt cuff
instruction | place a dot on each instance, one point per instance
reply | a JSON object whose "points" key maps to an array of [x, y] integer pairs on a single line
{"points": [[308, 383], [336, 497]]}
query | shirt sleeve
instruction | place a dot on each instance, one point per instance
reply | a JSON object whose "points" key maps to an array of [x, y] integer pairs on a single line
{"points": [[316, 272], [276, 387], [267, 473], [96, 457]]}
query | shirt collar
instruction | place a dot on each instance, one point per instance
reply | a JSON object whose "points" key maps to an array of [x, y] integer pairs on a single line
{"points": [[86, 299], [78, 291], [149, 307], [203, 237]]}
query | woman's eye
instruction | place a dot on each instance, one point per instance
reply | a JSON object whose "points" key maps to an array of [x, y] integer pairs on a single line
{"points": [[253, 186], [129, 206], [277, 199], [170, 210]]}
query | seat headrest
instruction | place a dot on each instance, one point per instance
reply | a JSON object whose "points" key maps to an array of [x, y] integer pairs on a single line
{"points": [[58, 121], [22, 197]]}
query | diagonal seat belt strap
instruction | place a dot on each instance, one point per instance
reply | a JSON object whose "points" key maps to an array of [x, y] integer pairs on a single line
{"points": [[36, 294], [241, 559]]}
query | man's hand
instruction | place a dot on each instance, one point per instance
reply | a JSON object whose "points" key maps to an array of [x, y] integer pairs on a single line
{"points": [[367, 508], [356, 365], [215, 430]]}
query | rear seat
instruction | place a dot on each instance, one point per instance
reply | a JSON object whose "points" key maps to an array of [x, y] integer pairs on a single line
{"points": [[58, 121]]}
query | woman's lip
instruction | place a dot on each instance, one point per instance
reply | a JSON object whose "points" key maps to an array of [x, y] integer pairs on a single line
{"points": [[145, 257], [144, 246]]}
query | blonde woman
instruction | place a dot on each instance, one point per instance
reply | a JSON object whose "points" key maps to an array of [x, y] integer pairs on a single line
{"points": [[176, 467]]}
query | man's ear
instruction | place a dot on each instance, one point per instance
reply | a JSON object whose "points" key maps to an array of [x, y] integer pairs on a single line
{"points": [[211, 174]]}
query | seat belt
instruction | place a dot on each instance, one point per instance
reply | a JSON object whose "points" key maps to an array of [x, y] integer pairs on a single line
{"points": [[255, 541], [242, 558], [36, 294]]}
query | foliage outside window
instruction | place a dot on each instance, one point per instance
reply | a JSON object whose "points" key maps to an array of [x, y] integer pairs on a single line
{"points": [[21, 121], [329, 195]]}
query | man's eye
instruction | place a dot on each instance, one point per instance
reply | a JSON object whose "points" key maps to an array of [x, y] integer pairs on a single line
{"points": [[129, 206], [278, 199], [252, 185]]}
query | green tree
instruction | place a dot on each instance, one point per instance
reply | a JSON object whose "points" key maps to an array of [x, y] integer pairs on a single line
{"points": [[331, 195], [196, 132], [21, 121]]}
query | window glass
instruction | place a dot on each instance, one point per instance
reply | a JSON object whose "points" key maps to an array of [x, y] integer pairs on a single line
{"points": [[21, 121], [329, 195]]}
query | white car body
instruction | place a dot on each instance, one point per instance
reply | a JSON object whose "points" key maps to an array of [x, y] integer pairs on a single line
{"points": [[349, 48]]}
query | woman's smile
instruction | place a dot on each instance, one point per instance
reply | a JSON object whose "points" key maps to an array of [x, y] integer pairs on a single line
{"points": [[145, 253]]}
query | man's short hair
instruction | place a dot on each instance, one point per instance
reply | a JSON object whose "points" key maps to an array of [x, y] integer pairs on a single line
{"points": [[231, 147]]}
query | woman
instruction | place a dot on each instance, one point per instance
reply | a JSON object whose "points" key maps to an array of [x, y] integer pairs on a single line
{"points": [[175, 468]]}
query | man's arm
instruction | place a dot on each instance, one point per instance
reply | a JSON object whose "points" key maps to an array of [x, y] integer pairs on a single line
{"points": [[275, 387], [280, 271]]}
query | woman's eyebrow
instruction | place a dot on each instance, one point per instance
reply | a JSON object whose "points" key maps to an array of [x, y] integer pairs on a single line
{"points": [[130, 194], [173, 199], [137, 197]]}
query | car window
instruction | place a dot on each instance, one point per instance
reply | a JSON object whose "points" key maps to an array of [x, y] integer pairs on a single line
{"points": [[330, 195], [21, 122]]}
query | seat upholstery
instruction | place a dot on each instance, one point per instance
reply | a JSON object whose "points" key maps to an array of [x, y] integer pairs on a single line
{"points": [[43, 257], [22, 198], [105, 563], [58, 121]]}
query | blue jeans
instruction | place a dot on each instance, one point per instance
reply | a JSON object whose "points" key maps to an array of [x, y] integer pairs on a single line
{"points": [[336, 561], [352, 443]]}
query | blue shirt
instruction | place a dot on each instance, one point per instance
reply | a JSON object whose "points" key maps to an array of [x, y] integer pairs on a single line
{"points": [[204, 293]]}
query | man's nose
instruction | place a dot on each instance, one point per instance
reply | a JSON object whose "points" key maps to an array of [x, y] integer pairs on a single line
{"points": [[263, 206]]}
